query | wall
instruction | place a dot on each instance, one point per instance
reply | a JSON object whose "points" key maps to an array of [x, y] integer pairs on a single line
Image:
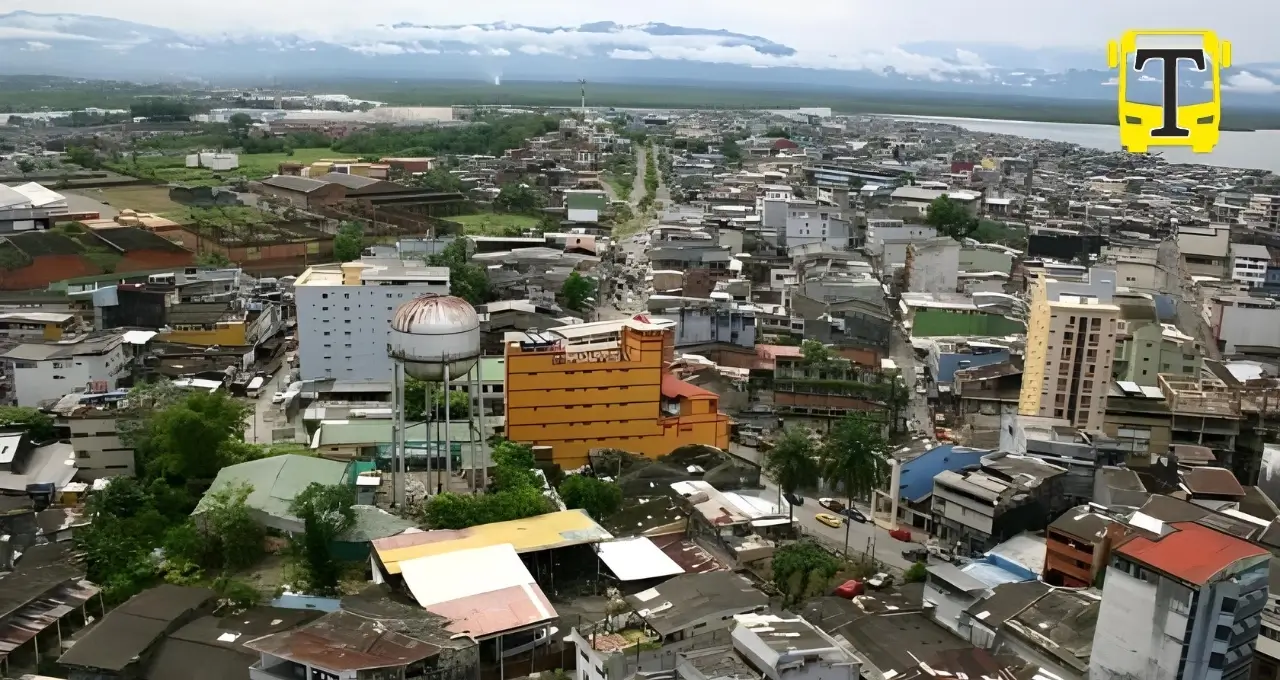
{"points": [[146, 260], [984, 260], [948, 606], [45, 270], [343, 330], [1249, 326], [700, 326], [99, 451], [934, 266], [40, 381], [227, 334], [1131, 639]]}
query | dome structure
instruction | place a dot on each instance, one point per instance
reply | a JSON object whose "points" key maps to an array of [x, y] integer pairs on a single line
{"points": [[432, 332]]}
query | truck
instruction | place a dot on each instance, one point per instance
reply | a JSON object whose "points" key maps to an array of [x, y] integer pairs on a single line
{"points": [[255, 387]]}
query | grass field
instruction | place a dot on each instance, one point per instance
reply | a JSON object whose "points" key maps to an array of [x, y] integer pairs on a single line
{"points": [[141, 199], [494, 224], [173, 168]]}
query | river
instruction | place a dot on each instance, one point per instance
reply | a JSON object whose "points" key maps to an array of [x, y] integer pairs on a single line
{"points": [[1260, 149]]}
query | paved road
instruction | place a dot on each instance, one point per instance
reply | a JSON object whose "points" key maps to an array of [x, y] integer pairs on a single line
{"points": [[265, 414], [904, 356], [637, 187]]}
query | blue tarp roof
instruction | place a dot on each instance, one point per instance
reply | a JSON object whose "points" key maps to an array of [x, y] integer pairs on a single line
{"points": [[916, 482], [949, 363]]}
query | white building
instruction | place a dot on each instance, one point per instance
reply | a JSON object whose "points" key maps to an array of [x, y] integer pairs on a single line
{"points": [[808, 222], [1181, 601], [344, 314], [933, 266], [1249, 264], [46, 372], [213, 161], [89, 422], [790, 648]]}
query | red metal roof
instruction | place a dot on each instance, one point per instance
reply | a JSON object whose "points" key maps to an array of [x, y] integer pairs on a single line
{"points": [[1192, 552], [673, 387]]}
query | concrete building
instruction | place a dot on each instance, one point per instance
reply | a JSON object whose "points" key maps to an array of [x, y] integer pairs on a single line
{"points": [[43, 373], [604, 385], [1180, 601], [933, 266], [1078, 546], [1071, 342], [808, 222], [1241, 324], [1249, 264], [703, 322], [1205, 250], [344, 314], [89, 422], [1145, 347], [790, 648]]}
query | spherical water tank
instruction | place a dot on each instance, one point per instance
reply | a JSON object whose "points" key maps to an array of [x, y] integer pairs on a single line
{"points": [[431, 332]]}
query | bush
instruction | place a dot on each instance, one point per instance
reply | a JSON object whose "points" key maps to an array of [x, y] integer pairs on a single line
{"points": [[916, 573]]}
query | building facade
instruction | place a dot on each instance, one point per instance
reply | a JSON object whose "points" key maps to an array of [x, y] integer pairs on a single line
{"points": [[344, 315], [604, 385], [1071, 343]]}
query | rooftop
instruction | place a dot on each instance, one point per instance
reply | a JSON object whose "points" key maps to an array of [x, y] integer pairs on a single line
{"points": [[543, 532], [344, 642], [1083, 523], [1062, 622], [275, 481], [212, 648], [1005, 601], [684, 600], [1190, 552], [129, 630], [636, 559], [374, 270], [894, 643], [482, 591]]}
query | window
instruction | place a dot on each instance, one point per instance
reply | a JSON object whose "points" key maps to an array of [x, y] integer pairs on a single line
{"points": [[1217, 660], [1228, 604], [1223, 633], [324, 295]]}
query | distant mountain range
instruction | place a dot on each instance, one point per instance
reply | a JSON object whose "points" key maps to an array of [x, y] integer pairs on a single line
{"points": [[97, 47]]}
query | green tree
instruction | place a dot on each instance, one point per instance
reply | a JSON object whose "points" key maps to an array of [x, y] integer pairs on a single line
{"points": [[213, 260], [188, 439], [84, 157], [799, 567], [238, 125], [854, 458], [438, 180], [916, 573], [575, 291], [599, 498], [349, 242], [467, 280], [515, 492], [815, 353], [38, 425], [26, 166], [326, 511], [731, 151], [513, 467], [792, 463], [518, 198], [950, 218], [229, 529], [459, 401]]}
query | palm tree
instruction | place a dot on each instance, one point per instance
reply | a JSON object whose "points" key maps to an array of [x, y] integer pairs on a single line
{"points": [[855, 458], [792, 463]]}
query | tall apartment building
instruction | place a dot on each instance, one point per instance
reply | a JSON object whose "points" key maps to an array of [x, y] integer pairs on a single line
{"points": [[1249, 263], [1071, 346], [605, 385], [1181, 601], [344, 314]]}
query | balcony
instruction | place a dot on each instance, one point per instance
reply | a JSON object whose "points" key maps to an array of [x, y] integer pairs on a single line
{"points": [[1066, 551]]}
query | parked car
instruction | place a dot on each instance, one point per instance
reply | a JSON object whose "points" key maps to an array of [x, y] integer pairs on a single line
{"points": [[793, 499], [916, 555], [881, 580], [833, 521], [831, 504], [903, 535], [277, 398], [849, 589], [855, 515], [519, 643]]}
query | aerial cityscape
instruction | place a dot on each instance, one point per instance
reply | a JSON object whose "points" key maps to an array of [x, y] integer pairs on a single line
{"points": [[661, 341]]}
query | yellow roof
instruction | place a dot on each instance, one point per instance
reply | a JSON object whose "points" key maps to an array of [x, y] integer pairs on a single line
{"points": [[544, 532]]}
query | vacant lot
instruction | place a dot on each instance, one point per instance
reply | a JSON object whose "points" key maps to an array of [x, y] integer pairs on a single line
{"points": [[141, 199], [495, 224], [173, 168]]}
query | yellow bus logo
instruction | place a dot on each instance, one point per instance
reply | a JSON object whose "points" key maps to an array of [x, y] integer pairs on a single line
{"points": [[1170, 123]]}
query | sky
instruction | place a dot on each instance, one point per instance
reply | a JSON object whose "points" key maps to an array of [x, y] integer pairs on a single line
{"points": [[829, 27]]}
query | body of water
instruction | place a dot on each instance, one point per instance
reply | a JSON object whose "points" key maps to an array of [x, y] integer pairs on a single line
{"points": [[1260, 149]]}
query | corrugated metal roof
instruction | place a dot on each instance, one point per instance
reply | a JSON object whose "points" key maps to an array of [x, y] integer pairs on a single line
{"points": [[543, 532], [1191, 552], [344, 642], [481, 592], [23, 625]]}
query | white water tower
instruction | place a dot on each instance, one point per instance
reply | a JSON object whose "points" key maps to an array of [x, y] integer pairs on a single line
{"points": [[434, 338]]}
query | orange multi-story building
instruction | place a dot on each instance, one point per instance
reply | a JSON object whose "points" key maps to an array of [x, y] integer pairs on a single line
{"points": [[605, 385]]}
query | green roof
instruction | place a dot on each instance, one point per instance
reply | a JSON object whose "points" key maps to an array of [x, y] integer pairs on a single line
{"points": [[492, 370], [276, 481], [372, 523]]}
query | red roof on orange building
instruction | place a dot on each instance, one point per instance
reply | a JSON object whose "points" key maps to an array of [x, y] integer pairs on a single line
{"points": [[673, 387], [1192, 552]]}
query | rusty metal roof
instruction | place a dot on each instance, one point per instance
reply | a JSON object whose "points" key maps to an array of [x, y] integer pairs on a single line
{"points": [[344, 642], [23, 625]]}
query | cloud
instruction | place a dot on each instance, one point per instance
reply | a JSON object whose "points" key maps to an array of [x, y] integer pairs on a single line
{"points": [[1111, 82], [1249, 83], [36, 46], [182, 46], [634, 55], [378, 49], [500, 52]]}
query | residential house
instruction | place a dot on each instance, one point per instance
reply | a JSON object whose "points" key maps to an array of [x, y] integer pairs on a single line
{"points": [[1249, 264]]}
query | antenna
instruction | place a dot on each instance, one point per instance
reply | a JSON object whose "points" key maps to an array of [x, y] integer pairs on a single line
{"points": [[583, 83]]}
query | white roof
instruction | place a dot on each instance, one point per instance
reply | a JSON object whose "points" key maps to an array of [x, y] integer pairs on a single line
{"points": [[9, 444], [635, 559], [138, 337], [10, 198], [39, 196], [444, 583]]}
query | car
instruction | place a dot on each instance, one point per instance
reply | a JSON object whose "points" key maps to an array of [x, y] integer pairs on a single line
{"points": [[903, 535], [793, 498], [277, 398], [881, 580], [833, 521], [849, 589], [916, 555], [831, 504], [855, 515]]}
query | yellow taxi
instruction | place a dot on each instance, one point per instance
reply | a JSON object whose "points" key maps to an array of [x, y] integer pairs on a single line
{"points": [[834, 521]]}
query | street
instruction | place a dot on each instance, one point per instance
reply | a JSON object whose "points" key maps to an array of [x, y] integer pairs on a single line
{"points": [[905, 357], [266, 415]]}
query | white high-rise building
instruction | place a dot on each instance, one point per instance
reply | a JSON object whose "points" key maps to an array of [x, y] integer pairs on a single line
{"points": [[344, 314]]}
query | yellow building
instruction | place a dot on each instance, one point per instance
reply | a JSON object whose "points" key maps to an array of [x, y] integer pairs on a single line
{"points": [[1071, 346], [605, 385]]}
